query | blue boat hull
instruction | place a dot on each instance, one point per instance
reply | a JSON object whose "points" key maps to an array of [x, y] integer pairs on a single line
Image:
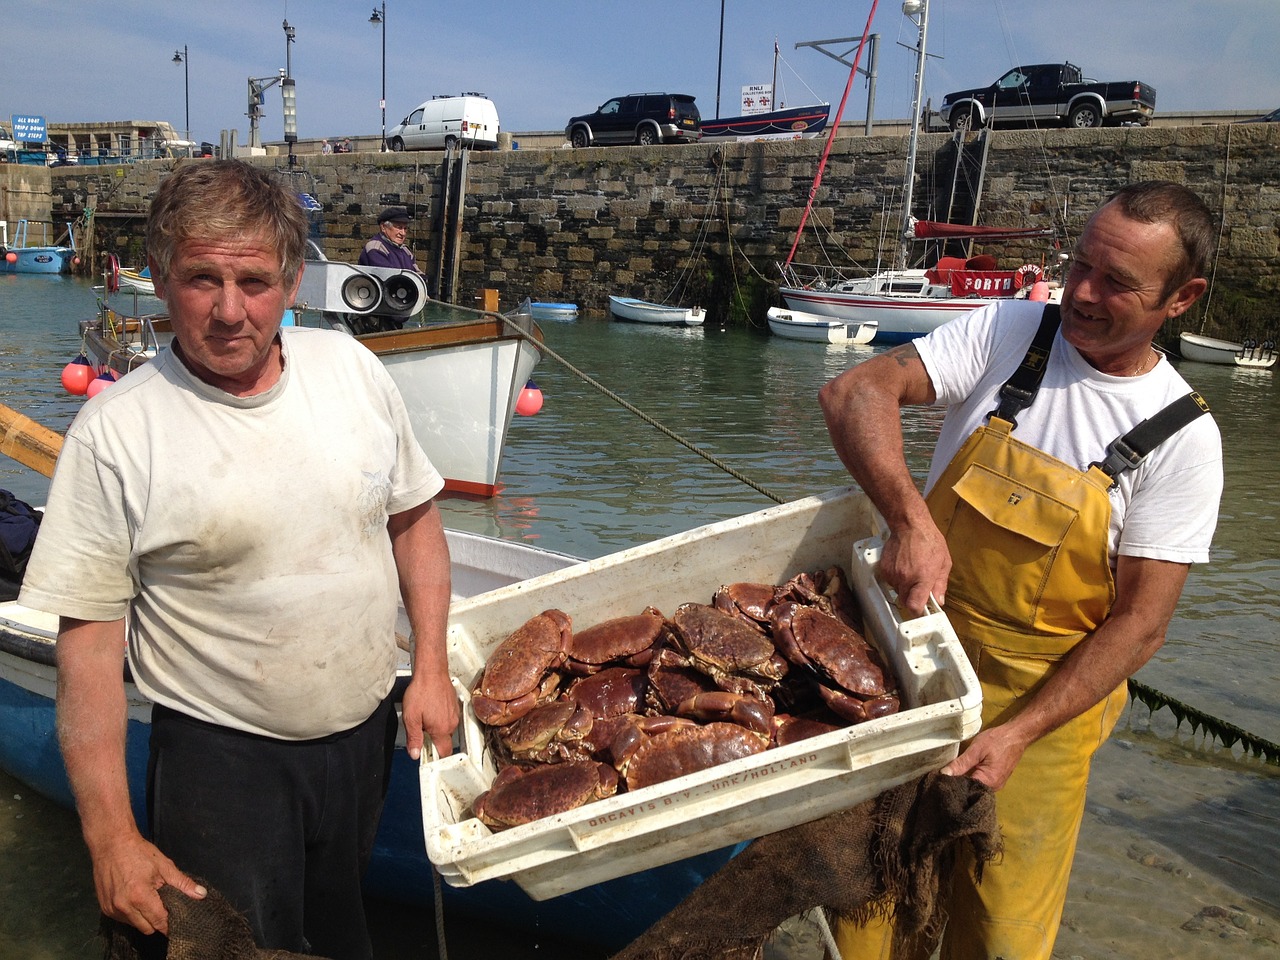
{"points": [[608, 915], [38, 260]]}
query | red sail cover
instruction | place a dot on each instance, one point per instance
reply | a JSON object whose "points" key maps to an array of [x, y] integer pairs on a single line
{"points": [[931, 229]]}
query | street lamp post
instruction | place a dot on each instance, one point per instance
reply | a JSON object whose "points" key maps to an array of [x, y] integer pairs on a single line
{"points": [[289, 94], [380, 17], [180, 56]]}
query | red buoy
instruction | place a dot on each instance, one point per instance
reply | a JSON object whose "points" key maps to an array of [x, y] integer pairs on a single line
{"points": [[76, 376], [530, 400], [11, 257]]}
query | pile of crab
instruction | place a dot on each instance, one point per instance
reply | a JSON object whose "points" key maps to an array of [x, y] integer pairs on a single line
{"points": [[577, 716]]}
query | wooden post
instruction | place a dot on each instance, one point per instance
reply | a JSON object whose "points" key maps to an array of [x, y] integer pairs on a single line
{"points": [[488, 298], [28, 442]]}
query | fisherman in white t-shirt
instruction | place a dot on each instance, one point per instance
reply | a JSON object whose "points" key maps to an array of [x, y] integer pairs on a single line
{"points": [[243, 514], [1057, 553]]}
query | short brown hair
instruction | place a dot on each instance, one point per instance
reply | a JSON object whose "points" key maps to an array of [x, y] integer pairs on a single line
{"points": [[1163, 201], [225, 198]]}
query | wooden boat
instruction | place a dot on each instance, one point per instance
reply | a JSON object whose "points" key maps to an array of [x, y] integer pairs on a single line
{"points": [[906, 302], [460, 378], [23, 257], [1250, 353], [795, 325], [789, 123], [139, 280], [642, 311]]}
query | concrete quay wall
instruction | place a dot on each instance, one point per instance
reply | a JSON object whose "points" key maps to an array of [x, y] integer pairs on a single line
{"points": [[711, 221]]}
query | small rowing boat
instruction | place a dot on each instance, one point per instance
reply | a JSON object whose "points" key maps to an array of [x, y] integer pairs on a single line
{"points": [[642, 311]]}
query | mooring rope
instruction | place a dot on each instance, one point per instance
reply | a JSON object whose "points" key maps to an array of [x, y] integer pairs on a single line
{"points": [[1153, 699], [706, 455]]}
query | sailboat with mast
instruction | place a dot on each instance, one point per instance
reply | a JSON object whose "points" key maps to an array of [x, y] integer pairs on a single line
{"points": [[906, 302]]}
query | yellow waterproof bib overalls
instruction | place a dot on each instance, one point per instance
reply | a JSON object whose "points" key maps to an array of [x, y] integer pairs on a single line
{"points": [[1030, 579]]}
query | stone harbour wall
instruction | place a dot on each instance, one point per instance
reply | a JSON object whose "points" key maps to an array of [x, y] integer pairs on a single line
{"points": [[709, 222]]}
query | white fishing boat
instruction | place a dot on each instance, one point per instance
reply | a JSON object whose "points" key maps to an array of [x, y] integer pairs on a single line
{"points": [[461, 378], [1250, 353], [642, 311], [907, 302], [796, 325], [139, 280]]}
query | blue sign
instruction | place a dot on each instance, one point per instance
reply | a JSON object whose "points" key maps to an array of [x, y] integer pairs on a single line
{"points": [[29, 129]]}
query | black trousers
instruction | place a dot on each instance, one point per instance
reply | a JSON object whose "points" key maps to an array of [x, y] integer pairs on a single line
{"points": [[283, 829]]}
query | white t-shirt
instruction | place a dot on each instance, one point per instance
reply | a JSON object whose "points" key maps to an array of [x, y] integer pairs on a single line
{"points": [[245, 537], [1166, 509]]}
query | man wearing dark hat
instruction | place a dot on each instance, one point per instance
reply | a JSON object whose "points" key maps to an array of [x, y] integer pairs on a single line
{"points": [[386, 248]]}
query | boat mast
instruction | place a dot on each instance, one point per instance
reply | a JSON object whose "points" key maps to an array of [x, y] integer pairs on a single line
{"points": [[917, 11]]}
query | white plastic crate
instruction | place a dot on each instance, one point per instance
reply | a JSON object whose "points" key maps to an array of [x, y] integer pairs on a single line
{"points": [[740, 800]]}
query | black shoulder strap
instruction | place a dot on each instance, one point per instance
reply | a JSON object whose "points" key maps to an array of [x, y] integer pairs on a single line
{"points": [[1126, 452], [1020, 389]]}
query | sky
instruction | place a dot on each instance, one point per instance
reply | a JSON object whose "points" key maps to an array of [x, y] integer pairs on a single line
{"points": [[543, 61]]}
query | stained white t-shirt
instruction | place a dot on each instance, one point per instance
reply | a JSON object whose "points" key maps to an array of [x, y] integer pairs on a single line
{"points": [[245, 537], [1166, 509]]}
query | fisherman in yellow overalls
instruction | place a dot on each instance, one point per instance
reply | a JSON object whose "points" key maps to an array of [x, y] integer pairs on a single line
{"points": [[1057, 540]]}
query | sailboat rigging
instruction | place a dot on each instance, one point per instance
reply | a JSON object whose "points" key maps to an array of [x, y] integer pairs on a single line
{"points": [[906, 303]]}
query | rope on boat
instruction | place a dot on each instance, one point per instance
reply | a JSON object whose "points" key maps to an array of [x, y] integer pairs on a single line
{"points": [[706, 455], [1226, 732]]}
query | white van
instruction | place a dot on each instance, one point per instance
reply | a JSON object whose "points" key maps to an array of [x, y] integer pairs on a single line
{"points": [[471, 119]]}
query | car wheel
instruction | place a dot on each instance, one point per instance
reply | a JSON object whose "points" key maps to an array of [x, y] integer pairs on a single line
{"points": [[397, 144], [579, 138], [965, 120], [449, 142], [646, 136], [1084, 115]]}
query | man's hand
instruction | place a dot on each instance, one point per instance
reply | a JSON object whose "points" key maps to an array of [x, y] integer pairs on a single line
{"points": [[127, 875], [431, 711], [916, 563]]}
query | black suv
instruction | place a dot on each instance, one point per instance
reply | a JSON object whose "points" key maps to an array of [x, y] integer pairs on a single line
{"points": [[642, 118]]}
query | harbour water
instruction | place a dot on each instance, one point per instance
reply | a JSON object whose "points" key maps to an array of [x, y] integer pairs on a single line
{"points": [[1176, 856]]}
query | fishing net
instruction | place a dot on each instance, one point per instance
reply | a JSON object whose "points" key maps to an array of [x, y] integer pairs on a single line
{"points": [[208, 929], [890, 854]]}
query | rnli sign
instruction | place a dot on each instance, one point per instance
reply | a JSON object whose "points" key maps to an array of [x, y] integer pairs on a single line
{"points": [[757, 98]]}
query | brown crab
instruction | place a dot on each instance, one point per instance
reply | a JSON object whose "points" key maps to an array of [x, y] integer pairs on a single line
{"points": [[672, 681], [521, 795], [828, 590], [628, 641], [735, 654], [851, 676], [737, 708], [520, 672], [548, 733], [611, 692], [749, 601], [687, 749]]}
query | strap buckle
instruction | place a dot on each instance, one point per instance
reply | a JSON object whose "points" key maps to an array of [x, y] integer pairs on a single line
{"points": [[1013, 400], [1120, 456]]}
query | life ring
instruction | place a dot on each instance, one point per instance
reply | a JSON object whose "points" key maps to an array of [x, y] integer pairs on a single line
{"points": [[1026, 275], [113, 275]]}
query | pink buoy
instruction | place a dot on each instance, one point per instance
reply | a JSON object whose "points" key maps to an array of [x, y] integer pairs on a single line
{"points": [[1039, 292], [76, 376], [100, 383], [11, 257], [530, 400]]}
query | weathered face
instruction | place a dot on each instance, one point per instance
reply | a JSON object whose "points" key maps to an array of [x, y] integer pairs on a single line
{"points": [[226, 298], [1113, 302], [396, 230]]}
